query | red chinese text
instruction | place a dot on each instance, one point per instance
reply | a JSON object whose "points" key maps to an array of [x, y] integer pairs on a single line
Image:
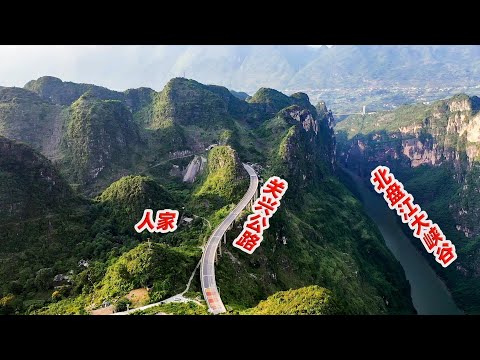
{"points": [[424, 229], [165, 221], [263, 209]]}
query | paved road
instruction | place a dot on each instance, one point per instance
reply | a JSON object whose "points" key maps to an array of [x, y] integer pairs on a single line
{"points": [[176, 298], [207, 267]]}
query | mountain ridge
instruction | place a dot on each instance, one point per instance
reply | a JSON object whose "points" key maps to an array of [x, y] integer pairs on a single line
{"points": [[314, 238], [300, 67], [435, 151]]}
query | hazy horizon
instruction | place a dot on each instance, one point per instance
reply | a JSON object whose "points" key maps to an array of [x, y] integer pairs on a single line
{"points": [[117, 67], [287, 68]]}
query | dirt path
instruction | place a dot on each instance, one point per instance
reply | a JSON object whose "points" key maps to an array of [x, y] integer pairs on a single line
{"points": [[179, 298]]}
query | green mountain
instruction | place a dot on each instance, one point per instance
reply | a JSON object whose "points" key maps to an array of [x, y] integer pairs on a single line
{"points": [[26, 117], [179, 103], [41, 221], [304, 246], [31, 186], [296, 67], [311, 300], [124, 200], [225, 178], [100, 138], [66, 93], [133, 150], [435, 151]]}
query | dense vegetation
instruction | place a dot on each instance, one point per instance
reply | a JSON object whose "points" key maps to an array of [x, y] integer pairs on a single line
{"points": [[128, 153], [434, 150], [125, 200], [311, 300], [100, 136], [319, 236], [224, 182], [190, 308], [26, 117]]}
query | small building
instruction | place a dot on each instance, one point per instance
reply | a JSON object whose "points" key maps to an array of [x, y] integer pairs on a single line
{"points": [[187, 220]]}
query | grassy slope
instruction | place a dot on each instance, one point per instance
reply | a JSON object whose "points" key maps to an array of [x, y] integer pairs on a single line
{"points": [[311, 300]]}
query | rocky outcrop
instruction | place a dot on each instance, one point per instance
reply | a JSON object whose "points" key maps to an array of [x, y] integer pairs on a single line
{"points": [[194, 168], [449, 135], [309, 140]]}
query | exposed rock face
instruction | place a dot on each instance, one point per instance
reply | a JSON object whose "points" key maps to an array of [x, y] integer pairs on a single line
{"points": [[194, 168], [304, 117], [327, 133], [449, 135], [309, 141], [446, 136], [435, 151]]}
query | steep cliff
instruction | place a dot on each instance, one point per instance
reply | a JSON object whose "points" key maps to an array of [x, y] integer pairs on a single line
{"points": [[319, 236], [444, 134], [435, 150]]}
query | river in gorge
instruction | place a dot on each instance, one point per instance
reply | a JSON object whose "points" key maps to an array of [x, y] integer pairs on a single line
{"points": [[430, 296]]}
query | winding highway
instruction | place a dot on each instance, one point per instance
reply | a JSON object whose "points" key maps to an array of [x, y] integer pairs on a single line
{"points": [[207, 266]]}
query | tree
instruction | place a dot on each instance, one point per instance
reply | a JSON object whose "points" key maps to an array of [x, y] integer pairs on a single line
{"points": [[16, 287], [7, 304], [122, 304], [44, 278], [56, 295]]}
